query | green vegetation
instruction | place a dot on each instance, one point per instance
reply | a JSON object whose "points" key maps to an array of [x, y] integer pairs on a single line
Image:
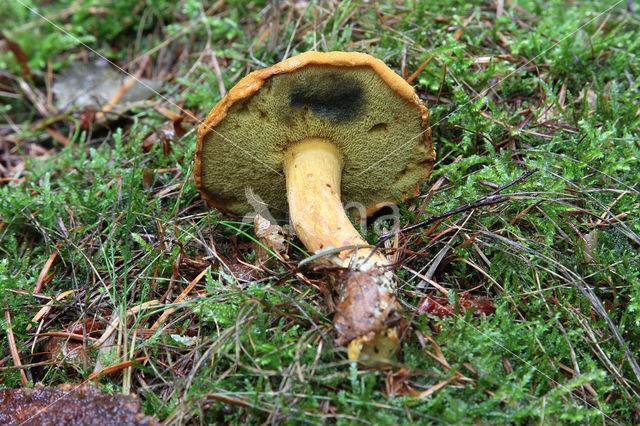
{"points": [[111, 212]]}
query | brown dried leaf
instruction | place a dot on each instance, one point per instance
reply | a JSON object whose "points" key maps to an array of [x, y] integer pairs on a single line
{"points": [[148, 177], [70, 352], [19, 54], [69, 403], [69, 349], [396, 384], [440, 306], [167, 134], [270, 236], [244, 273], [438, 355], [589, 246], [591, 98]]}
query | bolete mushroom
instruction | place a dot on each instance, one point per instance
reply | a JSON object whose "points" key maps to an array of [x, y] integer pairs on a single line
{"points": [[310, 132]]}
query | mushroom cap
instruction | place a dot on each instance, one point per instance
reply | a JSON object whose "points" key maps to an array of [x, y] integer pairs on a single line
{"points": [[370, 113]]}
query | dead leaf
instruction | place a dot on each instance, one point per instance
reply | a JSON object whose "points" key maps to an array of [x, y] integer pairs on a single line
{"points": [[591, 98], [396, 384], [70, 403], [244, 273], [70, 349], [440, 306], [589, 246], [148, 177], [167, 134], [19, 54], [62, 349], [439, 355], [271, 236]]}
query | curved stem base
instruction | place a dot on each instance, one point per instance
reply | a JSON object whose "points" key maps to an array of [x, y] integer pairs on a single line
{"points": [[367, 305]]}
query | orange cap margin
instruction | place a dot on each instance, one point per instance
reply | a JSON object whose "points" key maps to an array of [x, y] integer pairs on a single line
{"points": [[253, 81]]}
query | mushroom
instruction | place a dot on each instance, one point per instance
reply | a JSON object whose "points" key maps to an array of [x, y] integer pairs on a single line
{"points": [[310, 132]]}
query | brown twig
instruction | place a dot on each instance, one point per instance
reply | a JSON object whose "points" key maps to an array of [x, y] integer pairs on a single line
{"points": [[380, 18], [218, 73], [420, 68], [227, 399], [66, 335], [12, 347], [116, 367], [444, 75], [485, 200], [179, 299], [44, 272]]}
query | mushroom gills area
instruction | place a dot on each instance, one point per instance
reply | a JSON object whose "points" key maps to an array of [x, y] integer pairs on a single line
{"points": [[352, 107], [366, 288]]}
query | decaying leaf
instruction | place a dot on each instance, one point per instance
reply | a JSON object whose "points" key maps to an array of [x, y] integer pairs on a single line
{"points": [[70, 349], [19, 54], [271, 236], [69, 403], [591, 99], [164, 136], [397, 384], [148, 177], [588, 244], [440, 306], [244, 273], [65, 350]]}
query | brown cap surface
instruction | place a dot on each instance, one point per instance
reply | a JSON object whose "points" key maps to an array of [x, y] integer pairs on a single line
{"points": [[370, 113]]}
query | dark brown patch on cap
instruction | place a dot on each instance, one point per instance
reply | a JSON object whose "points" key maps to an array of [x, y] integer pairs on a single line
{"points": [[330, 96]]}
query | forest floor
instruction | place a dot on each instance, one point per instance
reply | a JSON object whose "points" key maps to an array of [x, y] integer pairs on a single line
{"points": [[113, 270]]}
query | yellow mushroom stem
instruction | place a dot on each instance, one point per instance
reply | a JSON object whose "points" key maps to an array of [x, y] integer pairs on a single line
{"points": [[367, 306]]}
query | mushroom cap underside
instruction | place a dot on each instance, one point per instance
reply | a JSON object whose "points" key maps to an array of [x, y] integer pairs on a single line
{"points": [[353, 100]]}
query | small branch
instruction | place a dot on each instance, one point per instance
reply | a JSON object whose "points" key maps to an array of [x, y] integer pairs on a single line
{"points": [[116, 367], [435, 218], [510, 184], [44, 272], [13, 348], [485, 200], [419, 70]]}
